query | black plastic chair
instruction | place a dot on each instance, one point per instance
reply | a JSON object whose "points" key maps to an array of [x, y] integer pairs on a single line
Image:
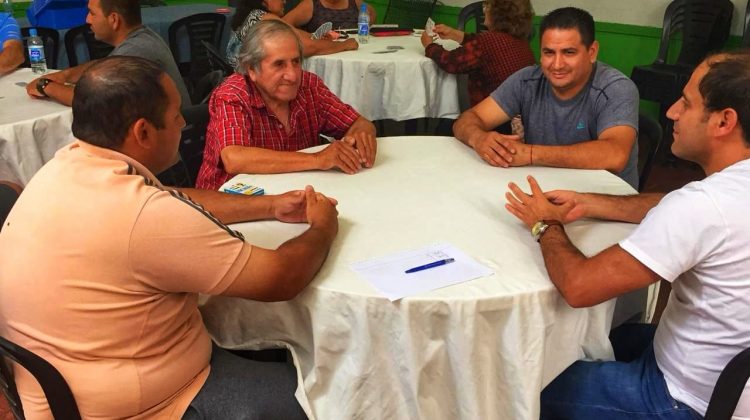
{"points": [[471, 11], [649, 141], [206, 85], [59, 397], [704, 25], [409, 13], [199, 27], [729, 387], [185, 172], [51, 39], [96, 49], [216, 61]]}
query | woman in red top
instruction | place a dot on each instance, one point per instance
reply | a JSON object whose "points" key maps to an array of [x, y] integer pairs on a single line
{"points": [[488, 57]]}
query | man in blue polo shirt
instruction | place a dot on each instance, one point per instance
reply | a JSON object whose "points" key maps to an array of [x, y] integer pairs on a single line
{"points": [[11, 47]]}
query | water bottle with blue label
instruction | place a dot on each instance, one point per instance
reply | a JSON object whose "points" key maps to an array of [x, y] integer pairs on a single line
{"points": [[363, 25], [36, 53]]}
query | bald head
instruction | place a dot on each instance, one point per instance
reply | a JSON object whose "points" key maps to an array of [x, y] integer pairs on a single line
{"points": [[114, 93]]}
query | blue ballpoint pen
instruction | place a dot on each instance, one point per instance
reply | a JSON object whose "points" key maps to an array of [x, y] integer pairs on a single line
{"points": [[430, 265]]}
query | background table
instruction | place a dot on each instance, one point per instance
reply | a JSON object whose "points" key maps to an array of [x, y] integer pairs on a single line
{"points": [[478, 350], [31, 130], [402, 85]]}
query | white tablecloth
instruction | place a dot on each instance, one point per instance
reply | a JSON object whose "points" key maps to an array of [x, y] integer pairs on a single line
{"points": [[399, 86], [31, 130], [478, 350]]}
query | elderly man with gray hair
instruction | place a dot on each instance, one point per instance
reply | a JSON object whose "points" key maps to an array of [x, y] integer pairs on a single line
{"points": [[262, 116]]}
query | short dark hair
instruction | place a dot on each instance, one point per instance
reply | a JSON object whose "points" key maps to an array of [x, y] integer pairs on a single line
{"points": [[727, 85], [130, 10], [570, 18], [112, 95], [511, 16]]}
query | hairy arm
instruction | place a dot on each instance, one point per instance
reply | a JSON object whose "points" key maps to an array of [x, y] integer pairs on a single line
{"points": [[585, 281], [62, 84], [623, 208]]}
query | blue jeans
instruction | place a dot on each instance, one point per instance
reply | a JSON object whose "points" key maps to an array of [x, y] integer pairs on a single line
{"points": [[632, 387]]}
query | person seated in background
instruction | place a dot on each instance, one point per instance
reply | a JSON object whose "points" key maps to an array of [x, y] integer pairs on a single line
{"points": [[491, 56], [118, 262], [576, 112], [250, 12], [261, 118], [697, 238], [118, 23], [343, 14], [11, 47]]}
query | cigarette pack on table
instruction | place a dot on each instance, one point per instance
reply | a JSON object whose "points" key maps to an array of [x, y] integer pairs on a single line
{"points": [[242, 188]]}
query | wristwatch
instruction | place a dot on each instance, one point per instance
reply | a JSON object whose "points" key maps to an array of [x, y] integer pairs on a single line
{"points": [[541, 226], [41, 84]]}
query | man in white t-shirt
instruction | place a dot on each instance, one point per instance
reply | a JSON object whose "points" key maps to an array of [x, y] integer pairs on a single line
{"points": [[697, 238]]}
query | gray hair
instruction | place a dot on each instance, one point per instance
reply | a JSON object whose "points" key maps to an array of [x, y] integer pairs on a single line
{"points": [[253, 50]]}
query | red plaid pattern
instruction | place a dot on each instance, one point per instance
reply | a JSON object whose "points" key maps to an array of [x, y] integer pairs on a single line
{"points": [[239, 117], [488, 57]]}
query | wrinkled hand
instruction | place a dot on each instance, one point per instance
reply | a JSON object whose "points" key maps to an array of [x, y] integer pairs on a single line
{"points": [[446, 32], [321, 210], [366, 146], [535, 207], [291, 207], [340, 154], [426, 39], [502, 150]]}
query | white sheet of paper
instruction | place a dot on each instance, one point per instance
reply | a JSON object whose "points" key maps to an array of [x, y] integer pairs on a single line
{"points": [[387, 273]]}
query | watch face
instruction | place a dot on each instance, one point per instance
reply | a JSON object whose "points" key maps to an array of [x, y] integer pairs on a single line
{"points": [[537, 228]]}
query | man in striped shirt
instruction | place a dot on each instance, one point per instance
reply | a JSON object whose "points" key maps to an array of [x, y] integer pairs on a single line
{"points": [[260, 119]]}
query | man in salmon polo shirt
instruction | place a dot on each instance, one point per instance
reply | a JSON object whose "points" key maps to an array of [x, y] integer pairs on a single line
{"points": [[101, 266]]}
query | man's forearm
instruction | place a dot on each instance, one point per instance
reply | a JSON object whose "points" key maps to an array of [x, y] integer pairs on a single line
{"points": [[361, 124], [256, 160], [232, 208], [11, 57], [623, 208], [467, 127], [62, 93], [562, 260], [593, 154]]}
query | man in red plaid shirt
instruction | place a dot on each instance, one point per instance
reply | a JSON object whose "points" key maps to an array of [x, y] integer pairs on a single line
{"points": [[261, 118]]}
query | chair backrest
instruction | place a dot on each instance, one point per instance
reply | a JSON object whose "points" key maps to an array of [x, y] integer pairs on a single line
{"points": [[206, 85], [649, 141], [185, 172], [704, 24], [729, 387], [216, 61], [51, 39], [472, 11], [409, 13], [96, 49], [59, 397], [200, 27]]}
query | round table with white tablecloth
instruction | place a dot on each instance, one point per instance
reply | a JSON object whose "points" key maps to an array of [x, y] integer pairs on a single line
{"points": [[482, 349], [399, 85], [31, 130]]}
